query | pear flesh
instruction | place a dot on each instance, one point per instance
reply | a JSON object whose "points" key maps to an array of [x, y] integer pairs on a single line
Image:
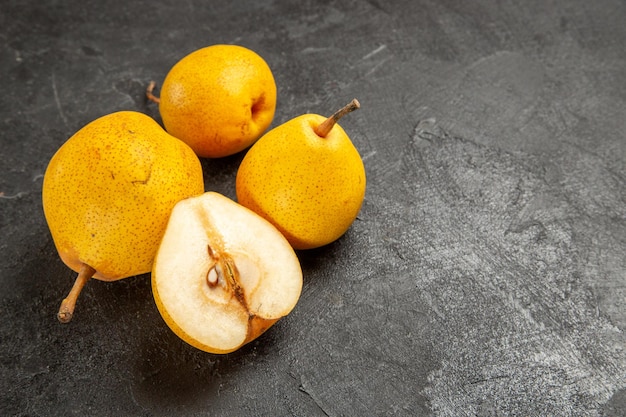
{"points": [[223, 275]]}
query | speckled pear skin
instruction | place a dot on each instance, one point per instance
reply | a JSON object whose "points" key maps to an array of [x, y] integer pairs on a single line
{"points": [[310, 187], [219, 99], [109, 190]]}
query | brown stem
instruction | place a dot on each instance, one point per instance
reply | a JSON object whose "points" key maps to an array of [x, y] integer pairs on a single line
{"points": [[327, 125], [149, 94], [67, 305]]}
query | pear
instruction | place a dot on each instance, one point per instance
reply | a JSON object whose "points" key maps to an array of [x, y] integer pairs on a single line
{"points": [[305, 177], [108, 193], [218, 99], [223, 275]]}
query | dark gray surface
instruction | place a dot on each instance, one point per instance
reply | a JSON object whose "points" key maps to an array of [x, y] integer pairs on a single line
{"points": [[486, 272]]}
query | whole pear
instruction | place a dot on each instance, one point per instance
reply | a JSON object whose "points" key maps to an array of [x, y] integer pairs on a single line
{"points": [[306, 177], [108, 193], [218, 99]]}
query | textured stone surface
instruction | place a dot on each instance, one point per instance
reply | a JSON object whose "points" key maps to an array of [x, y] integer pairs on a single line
{"points": [[484, 276]]}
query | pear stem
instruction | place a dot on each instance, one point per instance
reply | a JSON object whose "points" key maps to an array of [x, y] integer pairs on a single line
{"points": [[66, 311], [149, 93], [327, 125]]}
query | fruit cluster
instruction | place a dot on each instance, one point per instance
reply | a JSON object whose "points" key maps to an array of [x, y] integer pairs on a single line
{"points": [[124, 197]]}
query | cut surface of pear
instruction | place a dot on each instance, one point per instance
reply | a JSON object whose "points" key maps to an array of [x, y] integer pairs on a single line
{"points": [[222, 274]]}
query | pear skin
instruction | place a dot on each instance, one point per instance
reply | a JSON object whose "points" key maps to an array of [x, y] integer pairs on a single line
{"points": [[218, 99], [306, 177], [108, 193]]}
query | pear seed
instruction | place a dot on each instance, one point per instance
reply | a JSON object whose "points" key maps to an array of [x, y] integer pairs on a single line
{"points": [[212, 277]]}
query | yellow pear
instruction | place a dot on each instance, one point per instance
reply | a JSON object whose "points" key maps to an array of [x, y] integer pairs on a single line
{"points": [[218, 99], [306, 177], [223, 274], [108, 193]]}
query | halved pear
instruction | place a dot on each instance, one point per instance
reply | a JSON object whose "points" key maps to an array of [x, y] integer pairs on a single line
{"points": [[223, 274]]}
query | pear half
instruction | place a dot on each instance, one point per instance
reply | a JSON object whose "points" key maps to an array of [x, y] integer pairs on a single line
{"points": [[223, 274]]}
